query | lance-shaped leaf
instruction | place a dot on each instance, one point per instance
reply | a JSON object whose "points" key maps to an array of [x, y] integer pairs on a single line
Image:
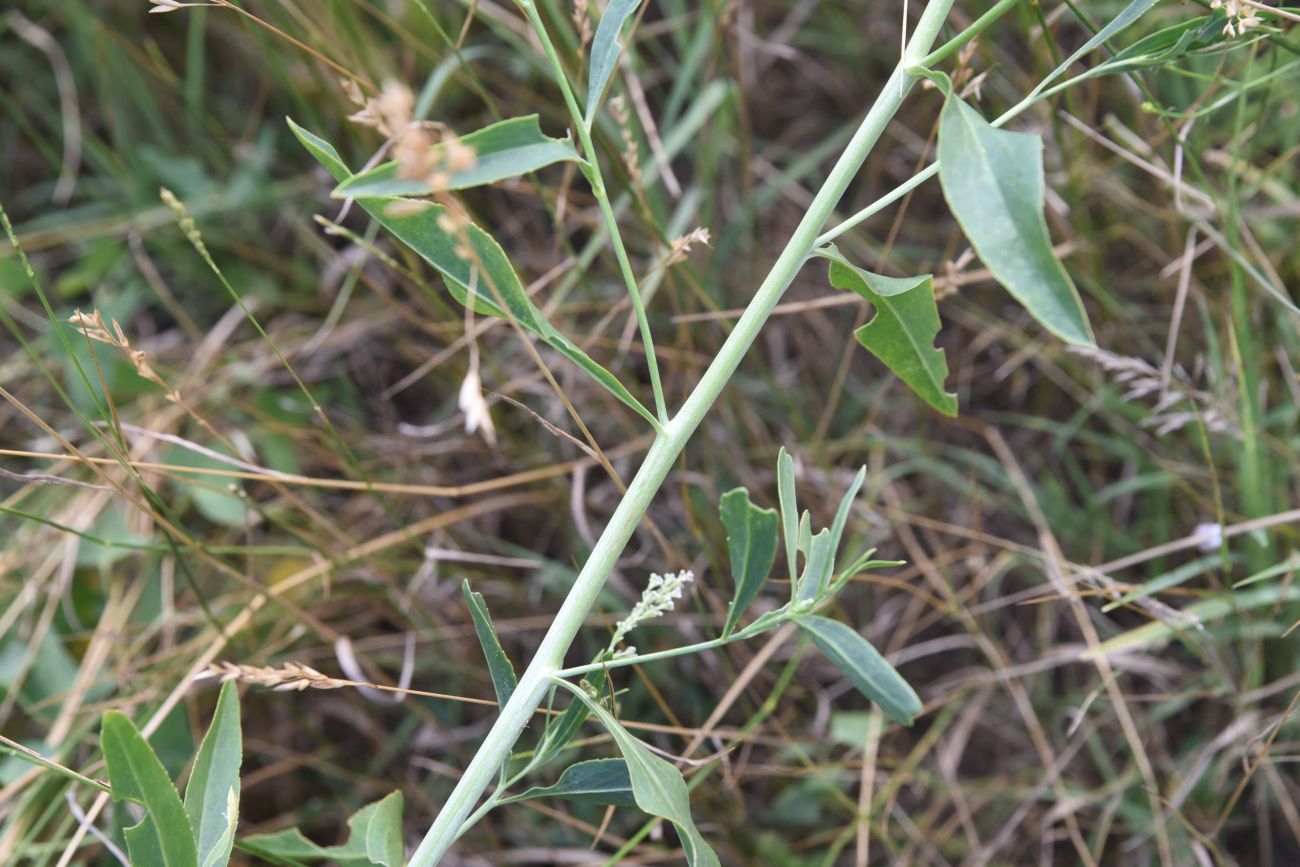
{"points": [[657, 786], [902, 332], [486, 274], [605, 49], [993, 181], [817, 568], [599, 781], [560, 731], [499, 666], [163, 838], [751, 544], [845, 507], [505, 149], [212, 794], [789, 512], [374, 837], [863, 665]]}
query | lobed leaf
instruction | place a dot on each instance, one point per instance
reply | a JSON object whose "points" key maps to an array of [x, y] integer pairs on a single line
{"points": [[163, 838], [212, 794], [505, 149], [751, 545], [993, 181], [486, 276], [863, 665], [605, 49], [599, 781], [499, 666], [902, 332]]}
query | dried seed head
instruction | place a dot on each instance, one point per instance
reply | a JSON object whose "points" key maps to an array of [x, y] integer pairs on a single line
{"points": [[292, 676], [582, 23], [681, 247], [94, 328]]}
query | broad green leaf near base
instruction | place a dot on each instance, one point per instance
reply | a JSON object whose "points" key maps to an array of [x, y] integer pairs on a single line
{"points": [[499, 665], [751, 544], [488, 275], [863, 665], [163, 838], [993, 181], [599, 781], [657, 786], [902, 331], [212, 794], [505, 149], [374, 837]]}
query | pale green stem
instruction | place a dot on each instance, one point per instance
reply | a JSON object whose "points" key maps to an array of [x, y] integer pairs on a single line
{"points": [[597, 180], [660, 459]]}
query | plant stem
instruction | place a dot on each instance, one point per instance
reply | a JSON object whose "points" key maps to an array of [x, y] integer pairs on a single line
{"points": [[597, 180], [668, 444]]}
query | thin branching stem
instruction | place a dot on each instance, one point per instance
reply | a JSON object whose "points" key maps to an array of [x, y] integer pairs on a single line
{"points": [[537, 680], [597, 180]]}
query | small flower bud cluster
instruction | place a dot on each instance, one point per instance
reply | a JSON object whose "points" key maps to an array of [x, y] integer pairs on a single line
{"points": [[658, 598]]}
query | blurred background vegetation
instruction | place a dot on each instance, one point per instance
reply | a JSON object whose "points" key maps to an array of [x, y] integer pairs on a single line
{"points": [[1070, 479]]}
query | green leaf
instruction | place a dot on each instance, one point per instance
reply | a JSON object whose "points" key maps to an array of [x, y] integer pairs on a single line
{"points": [[212, 794], [751, 544], [993, 181], [657, 785], [505, 149], [382, 831], [605, 49], [789, 512], [487, 275], [1130, 13], [562, 730], [845, 508], [163, 838], [817, 569], [1163, 47], [374, 837], [599, 781], [902, 332], [863, 665], [503, 673]]}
